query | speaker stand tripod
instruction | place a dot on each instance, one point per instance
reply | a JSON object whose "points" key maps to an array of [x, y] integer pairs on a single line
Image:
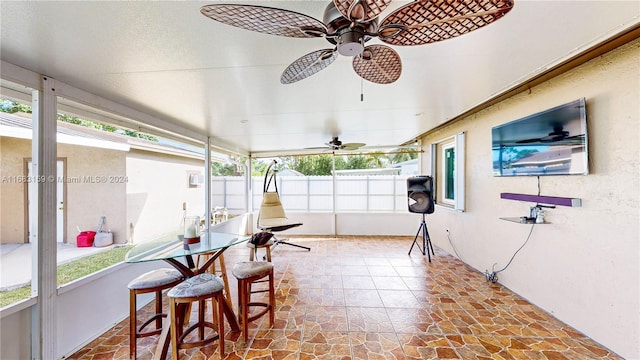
{"points": [[426, 240]]}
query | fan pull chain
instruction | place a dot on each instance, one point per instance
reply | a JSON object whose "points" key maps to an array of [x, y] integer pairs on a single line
{"points": [[361, 90]]}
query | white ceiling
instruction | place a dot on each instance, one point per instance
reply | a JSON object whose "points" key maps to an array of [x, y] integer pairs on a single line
{"points": [[166, 59]]}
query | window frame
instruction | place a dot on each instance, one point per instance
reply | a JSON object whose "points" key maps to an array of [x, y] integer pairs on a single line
{"points": [[439, 171]]}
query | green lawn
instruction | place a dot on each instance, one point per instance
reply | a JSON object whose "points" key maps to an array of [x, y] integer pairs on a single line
{"points": [[71, 271]]}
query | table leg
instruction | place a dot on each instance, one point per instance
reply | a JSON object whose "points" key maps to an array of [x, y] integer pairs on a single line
{"points": [[165, 337], [228, 307], [163, 342], [231, 316]]}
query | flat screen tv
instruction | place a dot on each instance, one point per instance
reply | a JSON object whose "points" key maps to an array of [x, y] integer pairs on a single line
{"points": [[551, 142]]}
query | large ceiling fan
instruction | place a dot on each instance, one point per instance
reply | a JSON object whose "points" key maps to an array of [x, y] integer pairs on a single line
{"points": [[335, 144], [349, 24]]}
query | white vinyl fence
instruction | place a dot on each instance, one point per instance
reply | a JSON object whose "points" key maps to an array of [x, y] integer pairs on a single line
{"points": [[356, 193]]}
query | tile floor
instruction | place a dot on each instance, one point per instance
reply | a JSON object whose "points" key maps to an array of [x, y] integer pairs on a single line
{"points": [[365, 298]]}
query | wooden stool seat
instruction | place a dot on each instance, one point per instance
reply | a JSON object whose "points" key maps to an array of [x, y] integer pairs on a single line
{"points": [[252, 269], [247, 273], [213, 269], [154, 281], [196, 289], [254, 250]]}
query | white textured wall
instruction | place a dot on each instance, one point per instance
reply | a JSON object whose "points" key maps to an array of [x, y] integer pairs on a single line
{"points": [[15, 335], [93, 306], [583, 267]]}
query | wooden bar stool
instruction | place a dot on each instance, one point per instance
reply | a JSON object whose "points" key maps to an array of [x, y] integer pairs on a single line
{"points": [[213, 269], [154, 281], [247, 273], [196, 289], [253, 254]]}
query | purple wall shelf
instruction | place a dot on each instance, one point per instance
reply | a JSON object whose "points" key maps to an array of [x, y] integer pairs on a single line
{"points": [[551, 200]]}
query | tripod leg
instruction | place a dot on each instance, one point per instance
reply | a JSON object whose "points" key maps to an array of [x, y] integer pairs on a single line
{"points": [[426, 241], [415, 242], [429, 241]]}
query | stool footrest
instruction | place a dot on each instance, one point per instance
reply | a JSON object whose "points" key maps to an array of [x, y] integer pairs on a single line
{"points": [[259, 291], [266, 309], [141, 334], [188, 345]]}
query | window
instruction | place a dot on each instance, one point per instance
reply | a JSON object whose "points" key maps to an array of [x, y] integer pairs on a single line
{"points": [[104, 172], [447, 168], [15, 180], [449, 172]]}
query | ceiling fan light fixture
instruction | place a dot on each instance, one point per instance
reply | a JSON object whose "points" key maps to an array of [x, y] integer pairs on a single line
{"points": [[351, 42]]}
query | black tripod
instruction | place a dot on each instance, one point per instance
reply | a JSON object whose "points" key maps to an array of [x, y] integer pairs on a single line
{"points": [[426, 240]]}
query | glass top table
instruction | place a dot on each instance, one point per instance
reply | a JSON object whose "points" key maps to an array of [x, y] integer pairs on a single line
{"points": [[171, 248]]}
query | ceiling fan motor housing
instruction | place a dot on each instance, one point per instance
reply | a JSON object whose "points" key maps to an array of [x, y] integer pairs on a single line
{"points": [[350, 36], [350, 42]]}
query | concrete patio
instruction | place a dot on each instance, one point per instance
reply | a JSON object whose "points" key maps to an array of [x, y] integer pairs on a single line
{"points": [[15, 261]]}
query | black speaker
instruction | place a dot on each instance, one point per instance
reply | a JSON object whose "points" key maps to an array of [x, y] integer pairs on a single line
{"points": [[420, 194]]}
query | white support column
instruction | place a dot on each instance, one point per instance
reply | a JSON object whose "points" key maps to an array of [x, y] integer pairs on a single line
{"points": [[207, 185], [44, 152], [334, 200], [248, 185]]}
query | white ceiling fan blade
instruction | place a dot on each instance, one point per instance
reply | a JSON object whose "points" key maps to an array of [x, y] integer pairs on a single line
{"points": [[352, 146]]}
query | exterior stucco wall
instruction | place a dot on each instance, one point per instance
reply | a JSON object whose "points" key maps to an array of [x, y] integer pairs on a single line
{"points": [[158, 186], [87, 198], [583, 267], [12, 198]]}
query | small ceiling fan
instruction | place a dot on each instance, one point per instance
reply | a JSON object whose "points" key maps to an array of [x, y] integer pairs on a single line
{"points": [[349, 24], [336, 144], [558, 134]]}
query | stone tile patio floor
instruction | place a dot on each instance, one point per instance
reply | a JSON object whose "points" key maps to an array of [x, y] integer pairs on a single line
{"points": [[365, 298]]}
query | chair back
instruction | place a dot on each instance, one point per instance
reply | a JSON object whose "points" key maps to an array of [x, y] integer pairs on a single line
{"points": [[271, 216], [271, 207]]}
